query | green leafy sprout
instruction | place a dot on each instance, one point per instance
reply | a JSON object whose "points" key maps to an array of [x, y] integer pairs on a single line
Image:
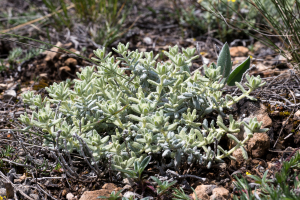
{"points": [[162, 187], [180, 195], [7, 152], [284, 186], [138, 169]]}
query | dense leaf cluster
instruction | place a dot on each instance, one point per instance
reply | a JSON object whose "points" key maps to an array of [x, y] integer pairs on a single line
{"points": [[159, 109]]}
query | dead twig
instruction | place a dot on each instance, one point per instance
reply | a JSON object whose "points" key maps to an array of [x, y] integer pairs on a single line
{"points": [[36, 20], [282, 128], [185, 175], [10, 184], [15, 163]]}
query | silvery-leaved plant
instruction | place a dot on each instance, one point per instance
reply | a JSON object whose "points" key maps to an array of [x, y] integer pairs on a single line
{"points": [[159, 109]]}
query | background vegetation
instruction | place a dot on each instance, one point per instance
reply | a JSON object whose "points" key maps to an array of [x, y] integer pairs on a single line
{"points": [[104, 23]]}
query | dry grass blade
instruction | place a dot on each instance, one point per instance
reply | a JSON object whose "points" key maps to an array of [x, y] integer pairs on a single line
{"points": [[285, 25], [36, 20], [287, 29]]}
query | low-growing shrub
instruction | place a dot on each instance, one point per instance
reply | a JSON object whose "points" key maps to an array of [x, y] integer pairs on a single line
{"points": [[159, 109]]}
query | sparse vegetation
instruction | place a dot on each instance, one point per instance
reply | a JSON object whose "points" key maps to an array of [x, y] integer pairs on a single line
{"points": [[156, 126]]}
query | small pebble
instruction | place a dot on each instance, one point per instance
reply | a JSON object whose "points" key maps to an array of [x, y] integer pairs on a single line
{"points": [[3, 86], [147, 40], [131, 194], [21, 153], [70, 196], [9, 94], [64, 192], [127, 187], [2, 192], [17, 181]]}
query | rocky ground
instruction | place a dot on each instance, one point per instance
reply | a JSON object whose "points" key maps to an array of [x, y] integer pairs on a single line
{"points": [[277, 107]]}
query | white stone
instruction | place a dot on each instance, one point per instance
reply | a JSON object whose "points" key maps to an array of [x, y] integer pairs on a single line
{"points": [[8, 94], [297, 115], [147, 40], [2, 192], [70, 196]]}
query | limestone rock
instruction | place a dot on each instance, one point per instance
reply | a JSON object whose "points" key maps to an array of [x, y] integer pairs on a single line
{"points": [[297, 115], [64, 192], [44, 76], [147, 40], [128, 181], [239, 51], [260, 67], [64, 68], [71, 62], [3, 86], [203, 191], [239, 158], [219, 193], [9, 94], [259, 145], [50, 55], [239, 60], [70, 196], [2, 192], [247, 110], [132, 194], [109, 186], [105, 191], [258, 46]]}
